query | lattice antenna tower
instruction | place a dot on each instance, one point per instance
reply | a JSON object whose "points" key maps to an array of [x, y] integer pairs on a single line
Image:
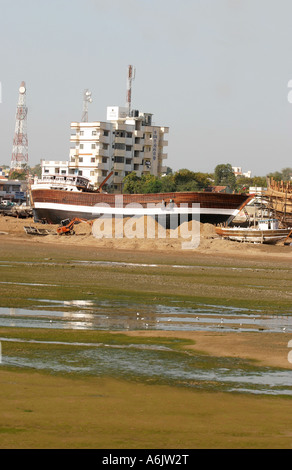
{"points": [[130, 78], [20, 141], [86, 100]]}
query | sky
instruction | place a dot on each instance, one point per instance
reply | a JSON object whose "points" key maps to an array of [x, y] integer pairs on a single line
{"points": [[215, 72]]}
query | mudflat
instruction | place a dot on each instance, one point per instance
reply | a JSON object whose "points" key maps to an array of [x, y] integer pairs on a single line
{"points": [[45, 410]]}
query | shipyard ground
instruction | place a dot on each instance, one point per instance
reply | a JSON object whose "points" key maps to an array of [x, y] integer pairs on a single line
{"points": [[45, 410]]}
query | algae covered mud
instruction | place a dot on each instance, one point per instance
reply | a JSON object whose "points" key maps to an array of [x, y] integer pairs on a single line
{"points": [[126, 348], [47, 294]]}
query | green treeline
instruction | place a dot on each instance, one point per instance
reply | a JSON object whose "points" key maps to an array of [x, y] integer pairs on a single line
{"points": [[186, 180]]}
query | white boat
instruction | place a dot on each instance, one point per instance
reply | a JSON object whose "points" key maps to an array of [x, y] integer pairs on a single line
{"points": [[266, 231]]}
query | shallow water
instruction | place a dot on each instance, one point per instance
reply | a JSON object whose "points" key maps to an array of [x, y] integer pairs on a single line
{"points": [[155, 363], [105, 315]]}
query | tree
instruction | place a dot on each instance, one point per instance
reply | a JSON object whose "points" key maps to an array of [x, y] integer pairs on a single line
{"points": [[186, 180], [286, 174], [277, 176], [18, 175], [131, 183], [36, 170], [224, 176], [168, 184]]}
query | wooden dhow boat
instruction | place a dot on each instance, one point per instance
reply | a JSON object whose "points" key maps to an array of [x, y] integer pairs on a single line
{"points": [[57, 198], [279, 196]]}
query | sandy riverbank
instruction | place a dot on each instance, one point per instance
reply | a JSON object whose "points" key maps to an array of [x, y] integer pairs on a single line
{"points": [[116, 237]]}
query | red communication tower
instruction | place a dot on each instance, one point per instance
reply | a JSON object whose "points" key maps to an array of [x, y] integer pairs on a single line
{"points": [[19, 158]]}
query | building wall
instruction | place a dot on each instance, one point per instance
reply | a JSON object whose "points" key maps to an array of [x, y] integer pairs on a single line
{"points": [[54, 167], [13, 190], [122, 145]]}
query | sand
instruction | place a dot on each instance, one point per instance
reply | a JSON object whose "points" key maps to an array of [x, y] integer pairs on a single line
{"points": [[132, 235]]}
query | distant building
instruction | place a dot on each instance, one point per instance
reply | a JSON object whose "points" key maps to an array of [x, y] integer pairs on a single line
{"points": [[4, 172], [122, 144], [54, 167], [237, 170], [257, 190], [13, 190], [219, 189]]}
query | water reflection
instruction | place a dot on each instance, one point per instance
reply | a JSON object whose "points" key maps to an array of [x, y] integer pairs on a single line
{"points": [[117, 315], [153, 363]]}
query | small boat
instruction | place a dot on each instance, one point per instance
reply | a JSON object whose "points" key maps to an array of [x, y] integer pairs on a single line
{"points": [[36, 231], [266, 231]]}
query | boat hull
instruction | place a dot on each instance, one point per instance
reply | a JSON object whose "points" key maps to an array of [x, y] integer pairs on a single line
{"points": [[279, 196], [53, 206], [253, 235]]}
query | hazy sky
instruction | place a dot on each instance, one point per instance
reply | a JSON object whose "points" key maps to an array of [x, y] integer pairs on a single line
{"points": [[215, 71]]}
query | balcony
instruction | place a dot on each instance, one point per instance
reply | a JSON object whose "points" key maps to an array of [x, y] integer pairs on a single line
{"points": [[138, 133], [148, 141], [120, 140], [103, 139], [121, 127], [138, 147], [119, 166], [137, 160], [119, 153], [102, 166], [102, 153], [118, 179]]}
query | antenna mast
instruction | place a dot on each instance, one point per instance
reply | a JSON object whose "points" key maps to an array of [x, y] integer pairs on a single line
{"points": [[86, 99], [130, 78], [20, 142]]}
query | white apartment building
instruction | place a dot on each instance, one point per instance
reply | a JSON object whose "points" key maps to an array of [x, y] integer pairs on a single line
{"points": [[122, 144], [237, 170]]}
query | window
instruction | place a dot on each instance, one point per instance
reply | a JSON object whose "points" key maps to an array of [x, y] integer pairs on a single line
{"points": [[93, 146], [120, 146], [104, 159], [105, 133], [128, 161], [129, 135], [80, 172], [128, 148], [92, 159], [92, 173], [103, 172], [93, 133], [81, 132], [63, 172], [81, 146], [119, 160], [81, 159]]}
